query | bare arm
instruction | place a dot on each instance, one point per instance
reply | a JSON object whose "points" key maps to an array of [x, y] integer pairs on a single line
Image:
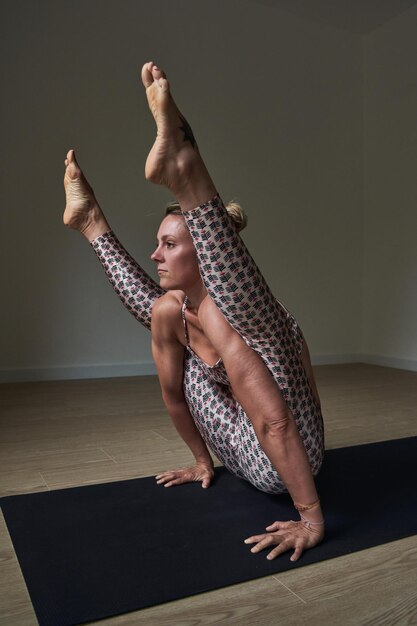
{"points": [[277, 432], [168, 354], [262, 400]]}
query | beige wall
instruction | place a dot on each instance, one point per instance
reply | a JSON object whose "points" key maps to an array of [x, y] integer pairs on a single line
{"points": [[277, 105], [390, 149]]}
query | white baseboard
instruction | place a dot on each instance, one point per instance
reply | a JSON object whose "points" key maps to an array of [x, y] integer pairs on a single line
{"points": [[77, 372], [390, 361], [335, 359], [148, 368], [371, 359]]}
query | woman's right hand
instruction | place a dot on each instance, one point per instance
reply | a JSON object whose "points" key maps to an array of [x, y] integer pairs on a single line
{"points": [[200, 472]]}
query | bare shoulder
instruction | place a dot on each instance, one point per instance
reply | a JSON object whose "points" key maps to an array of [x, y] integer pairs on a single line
{"points": [[168, 304], [166, 316]]}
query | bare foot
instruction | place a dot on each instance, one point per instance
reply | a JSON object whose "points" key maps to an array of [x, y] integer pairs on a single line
{"points": [[82, 211], [174, 153]]}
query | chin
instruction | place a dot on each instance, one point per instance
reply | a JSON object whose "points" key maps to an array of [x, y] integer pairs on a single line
{"points": [[166, 283]]}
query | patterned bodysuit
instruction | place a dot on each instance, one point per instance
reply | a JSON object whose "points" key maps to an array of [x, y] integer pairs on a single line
{"points": [[238, 288]]}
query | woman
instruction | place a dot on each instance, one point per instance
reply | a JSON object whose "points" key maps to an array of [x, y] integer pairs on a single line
{"points": [[233, 365]]}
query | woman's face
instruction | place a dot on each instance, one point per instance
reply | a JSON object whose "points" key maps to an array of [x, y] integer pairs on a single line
{"points": [[175, 255]]}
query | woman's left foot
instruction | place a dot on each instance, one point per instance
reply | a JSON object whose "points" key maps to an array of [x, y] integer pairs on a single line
{"points": [[82, 208]]}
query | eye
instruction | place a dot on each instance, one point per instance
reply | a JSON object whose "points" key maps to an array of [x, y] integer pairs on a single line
{"points": [[170, 244]]}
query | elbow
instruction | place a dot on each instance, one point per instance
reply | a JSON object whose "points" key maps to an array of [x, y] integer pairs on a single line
{"points": [[276, 427], [173, 398]]}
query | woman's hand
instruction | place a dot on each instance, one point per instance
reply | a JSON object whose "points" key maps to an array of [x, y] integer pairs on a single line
{"points": [[287, 535], [200, 472]]}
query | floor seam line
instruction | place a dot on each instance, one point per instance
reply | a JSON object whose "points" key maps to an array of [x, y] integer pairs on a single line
{"points": [[155, 432], [290, 590], [44, 480], [110, 457]]}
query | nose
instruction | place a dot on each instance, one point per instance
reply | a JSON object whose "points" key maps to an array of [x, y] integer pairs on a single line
{"points": [[156, 256]]}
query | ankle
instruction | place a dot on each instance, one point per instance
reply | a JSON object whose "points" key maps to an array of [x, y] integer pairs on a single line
{"points": [[96, 225], [194, 187]]}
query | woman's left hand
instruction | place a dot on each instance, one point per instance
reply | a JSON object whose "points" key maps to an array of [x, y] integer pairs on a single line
{"points": [[287, 535]]}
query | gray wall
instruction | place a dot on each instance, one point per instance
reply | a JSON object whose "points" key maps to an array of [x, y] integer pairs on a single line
{"points": [[277, 106], [390, 148]]}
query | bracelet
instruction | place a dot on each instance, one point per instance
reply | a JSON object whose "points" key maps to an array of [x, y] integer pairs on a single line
{"points": [[306, 507], [310, 524]]}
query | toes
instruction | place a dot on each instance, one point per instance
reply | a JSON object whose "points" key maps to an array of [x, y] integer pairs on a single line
{"points": [[147, 78], [151, 73], [163, 84], [157, 73], [71, 159], [73, 170], [160, 78]]}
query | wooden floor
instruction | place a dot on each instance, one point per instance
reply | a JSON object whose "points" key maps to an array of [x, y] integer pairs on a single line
{"points": [[63, 434]]}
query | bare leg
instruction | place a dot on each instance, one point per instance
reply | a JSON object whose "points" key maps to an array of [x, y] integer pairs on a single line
{"points": [[82, 211], [174, 160]]}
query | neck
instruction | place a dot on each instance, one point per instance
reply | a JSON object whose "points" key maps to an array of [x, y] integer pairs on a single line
{"points": [[195, 296]]}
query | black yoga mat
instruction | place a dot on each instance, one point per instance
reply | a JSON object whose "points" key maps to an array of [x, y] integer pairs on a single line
{"points": [[91, 552]]}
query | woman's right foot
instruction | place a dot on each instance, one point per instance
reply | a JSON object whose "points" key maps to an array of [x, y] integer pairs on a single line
{"points": [[82, 211], [174, 160]]}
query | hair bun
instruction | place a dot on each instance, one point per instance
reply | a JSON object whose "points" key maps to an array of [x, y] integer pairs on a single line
{"points": [[237, 214], [239, 217]]}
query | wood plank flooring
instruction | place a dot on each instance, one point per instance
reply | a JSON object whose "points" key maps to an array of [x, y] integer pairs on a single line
{"points": [[63, 434]]}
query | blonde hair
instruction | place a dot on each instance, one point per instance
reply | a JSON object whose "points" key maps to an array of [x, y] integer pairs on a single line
{"points": [[239, 217]]}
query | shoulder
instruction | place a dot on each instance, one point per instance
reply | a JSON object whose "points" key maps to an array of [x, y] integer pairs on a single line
{"points": [[168, 304], [166, 316]]}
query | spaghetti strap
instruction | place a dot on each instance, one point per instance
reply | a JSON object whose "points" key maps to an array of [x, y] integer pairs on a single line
{"points": [[184, 306]]}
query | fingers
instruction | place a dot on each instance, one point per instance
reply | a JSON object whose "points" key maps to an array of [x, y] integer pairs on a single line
{"points": [[262, 541], [185, 475], [284, 539], [275, 526], [176, 481], [254, 539], [280, 525], [297, 553], [287, 535], [167, 478], [285, 545]]}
